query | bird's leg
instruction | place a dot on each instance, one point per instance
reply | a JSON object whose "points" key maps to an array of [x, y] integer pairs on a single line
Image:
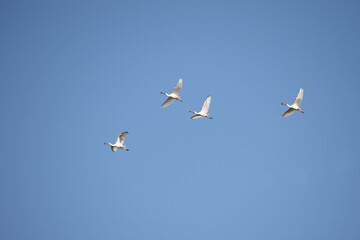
{"points": [[126, 149], [181, 100]]}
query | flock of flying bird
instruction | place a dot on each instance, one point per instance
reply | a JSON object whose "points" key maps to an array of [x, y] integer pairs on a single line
{"points": [[203, 112]]}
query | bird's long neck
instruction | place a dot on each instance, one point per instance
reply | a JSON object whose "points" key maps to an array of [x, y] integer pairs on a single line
{"points": [[193, 112], [109, 144], [164, 93]]}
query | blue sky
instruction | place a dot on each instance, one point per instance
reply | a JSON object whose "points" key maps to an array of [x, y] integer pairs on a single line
{"points": [[74, 74]]}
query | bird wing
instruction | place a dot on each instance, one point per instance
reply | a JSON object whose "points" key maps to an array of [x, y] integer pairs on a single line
{"points": [[299, 97], [178, 88], [114, 149], [206, 105], [196, 116], [288, 112], [121, 138], [168, 101]]}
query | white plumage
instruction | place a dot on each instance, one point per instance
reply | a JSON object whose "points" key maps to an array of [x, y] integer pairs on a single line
{"points": [[295, 106], [204, 110], [174, 95], [119, 142]]}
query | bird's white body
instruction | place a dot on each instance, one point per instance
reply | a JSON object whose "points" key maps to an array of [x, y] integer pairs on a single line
{"points": [[119, 142], [204, 110], [174, 95], [295, 106]]}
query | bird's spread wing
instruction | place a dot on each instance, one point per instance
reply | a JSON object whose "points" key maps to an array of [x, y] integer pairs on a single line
{"points": [[288, 112], [178, 87], [206, 105], [114, 149], [196, 116], [168, 101], [121, 138], [299, 97]]}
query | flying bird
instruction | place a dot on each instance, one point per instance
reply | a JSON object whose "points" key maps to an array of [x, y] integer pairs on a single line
{"points": [[204, 109], [174, 95], [119, 142], [295, 106]]}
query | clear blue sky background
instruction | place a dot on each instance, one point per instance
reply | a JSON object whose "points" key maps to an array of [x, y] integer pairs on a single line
{"points": [[74, 74]]}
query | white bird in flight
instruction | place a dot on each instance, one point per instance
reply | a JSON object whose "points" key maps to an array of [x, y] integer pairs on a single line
{"points": [[204, 109], [295, 106], [174, 95], [119, 142]]}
